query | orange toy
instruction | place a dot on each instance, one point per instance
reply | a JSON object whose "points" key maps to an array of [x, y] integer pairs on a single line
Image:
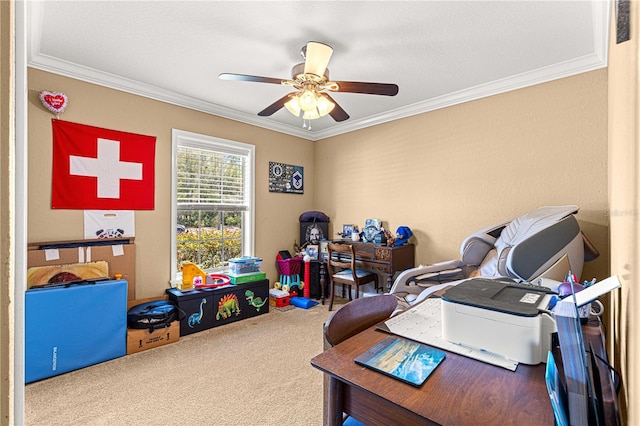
{"points": [[192, 276]]}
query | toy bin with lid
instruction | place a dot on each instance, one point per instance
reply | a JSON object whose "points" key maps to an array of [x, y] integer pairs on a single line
{"points": [[198, 309], [244, 265]]}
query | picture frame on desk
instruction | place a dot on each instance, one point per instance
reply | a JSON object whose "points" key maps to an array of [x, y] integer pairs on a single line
{"points": [[312, 251], [324, 246], [347, 230]]}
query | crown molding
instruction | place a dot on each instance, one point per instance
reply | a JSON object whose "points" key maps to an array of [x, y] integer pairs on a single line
{"points": [[566, 69], [596, 60]]}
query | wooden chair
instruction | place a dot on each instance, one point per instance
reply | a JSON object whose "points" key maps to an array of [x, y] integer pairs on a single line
{"points": [[343, 270], [349, 320], [357, 316]]}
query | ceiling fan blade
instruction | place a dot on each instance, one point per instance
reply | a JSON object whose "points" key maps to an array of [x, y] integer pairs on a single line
{"points": [[274, 106], [317, 57], [337, 113], [387, 89], [244, 77]]}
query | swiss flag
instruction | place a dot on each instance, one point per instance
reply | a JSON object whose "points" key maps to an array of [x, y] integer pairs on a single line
{"points": [[101, 169]]}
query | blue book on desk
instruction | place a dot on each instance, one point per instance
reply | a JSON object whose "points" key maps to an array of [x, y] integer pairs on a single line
{"points": [[405, 360]]}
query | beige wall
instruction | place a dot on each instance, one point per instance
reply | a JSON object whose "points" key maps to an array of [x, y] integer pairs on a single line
{"points": [[624, 197], [7, 235], [450, 172], [444, 174], [276, 214]]}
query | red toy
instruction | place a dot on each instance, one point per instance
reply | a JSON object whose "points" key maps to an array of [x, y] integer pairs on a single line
{"points": [[215, 280]]}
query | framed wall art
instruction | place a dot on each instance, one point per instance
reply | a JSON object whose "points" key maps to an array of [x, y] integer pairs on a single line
{"points": [[286, 178], [313, 232]]}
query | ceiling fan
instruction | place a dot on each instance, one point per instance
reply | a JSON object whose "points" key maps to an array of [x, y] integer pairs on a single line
{"points": [[310, 78]]}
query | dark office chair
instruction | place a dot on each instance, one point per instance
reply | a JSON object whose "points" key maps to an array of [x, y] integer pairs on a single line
{"points": [[351, 319], [341, 268]]}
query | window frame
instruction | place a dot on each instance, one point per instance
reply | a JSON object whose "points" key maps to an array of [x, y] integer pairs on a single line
{"points": [[196, 140]]}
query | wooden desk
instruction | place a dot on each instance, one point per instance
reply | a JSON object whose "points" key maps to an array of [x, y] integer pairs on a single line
{"points": [[461, 391], [388, 260]]}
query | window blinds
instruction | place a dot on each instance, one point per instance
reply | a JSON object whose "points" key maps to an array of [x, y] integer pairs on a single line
{"points": [[211, 179]]}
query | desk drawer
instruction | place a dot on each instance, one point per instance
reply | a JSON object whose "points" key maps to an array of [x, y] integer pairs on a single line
{"points": [[383, 253]]}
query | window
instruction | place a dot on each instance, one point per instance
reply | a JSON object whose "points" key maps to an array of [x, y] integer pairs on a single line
{"points": [[213, 201]]}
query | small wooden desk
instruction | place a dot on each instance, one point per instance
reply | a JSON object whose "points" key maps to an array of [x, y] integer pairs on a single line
{"points": [[388, 260], [461, 391]]}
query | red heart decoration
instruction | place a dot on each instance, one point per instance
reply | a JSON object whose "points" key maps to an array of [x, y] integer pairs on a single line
{"points": [[55, 102]]}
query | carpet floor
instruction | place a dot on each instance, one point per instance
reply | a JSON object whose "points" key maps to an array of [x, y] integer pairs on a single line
{"points": [[250, 372]]}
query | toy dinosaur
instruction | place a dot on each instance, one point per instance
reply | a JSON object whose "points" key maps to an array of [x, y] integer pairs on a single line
{"points": [[256, 302], [195, 318], [228, 305]]}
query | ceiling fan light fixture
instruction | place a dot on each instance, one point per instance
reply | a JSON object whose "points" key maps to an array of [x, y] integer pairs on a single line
{"points": [[309, 104], [325, 106], [308, 101], [311, 115], [293, 106]]}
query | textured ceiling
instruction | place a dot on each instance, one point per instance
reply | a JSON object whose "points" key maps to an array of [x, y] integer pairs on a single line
{"points": [[439, 53]]}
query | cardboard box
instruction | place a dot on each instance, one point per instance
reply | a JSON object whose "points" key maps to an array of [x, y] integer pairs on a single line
{"points": [[139, 340], [118, 253]]}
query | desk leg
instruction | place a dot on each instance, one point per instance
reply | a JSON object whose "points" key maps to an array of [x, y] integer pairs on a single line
{"points": [[389, 282], [323, 273], [334, 406]]}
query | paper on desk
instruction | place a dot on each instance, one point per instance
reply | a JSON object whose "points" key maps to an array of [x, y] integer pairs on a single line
{"points": [[422, 324]]}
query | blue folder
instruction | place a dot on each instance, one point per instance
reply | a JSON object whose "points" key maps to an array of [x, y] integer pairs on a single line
{"points": [[67, 328]]}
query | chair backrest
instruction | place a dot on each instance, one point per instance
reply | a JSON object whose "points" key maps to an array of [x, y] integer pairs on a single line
{"points": [[358, 315], [337, 258]]}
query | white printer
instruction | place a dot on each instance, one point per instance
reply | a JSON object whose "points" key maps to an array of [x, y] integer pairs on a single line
{"points": [[500, 316]]}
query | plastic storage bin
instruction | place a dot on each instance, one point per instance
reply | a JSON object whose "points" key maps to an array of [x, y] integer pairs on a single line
{"points": [[244, 265]]}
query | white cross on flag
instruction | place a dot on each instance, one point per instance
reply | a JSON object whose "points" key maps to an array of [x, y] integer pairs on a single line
{"points": [[101, 169]]}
